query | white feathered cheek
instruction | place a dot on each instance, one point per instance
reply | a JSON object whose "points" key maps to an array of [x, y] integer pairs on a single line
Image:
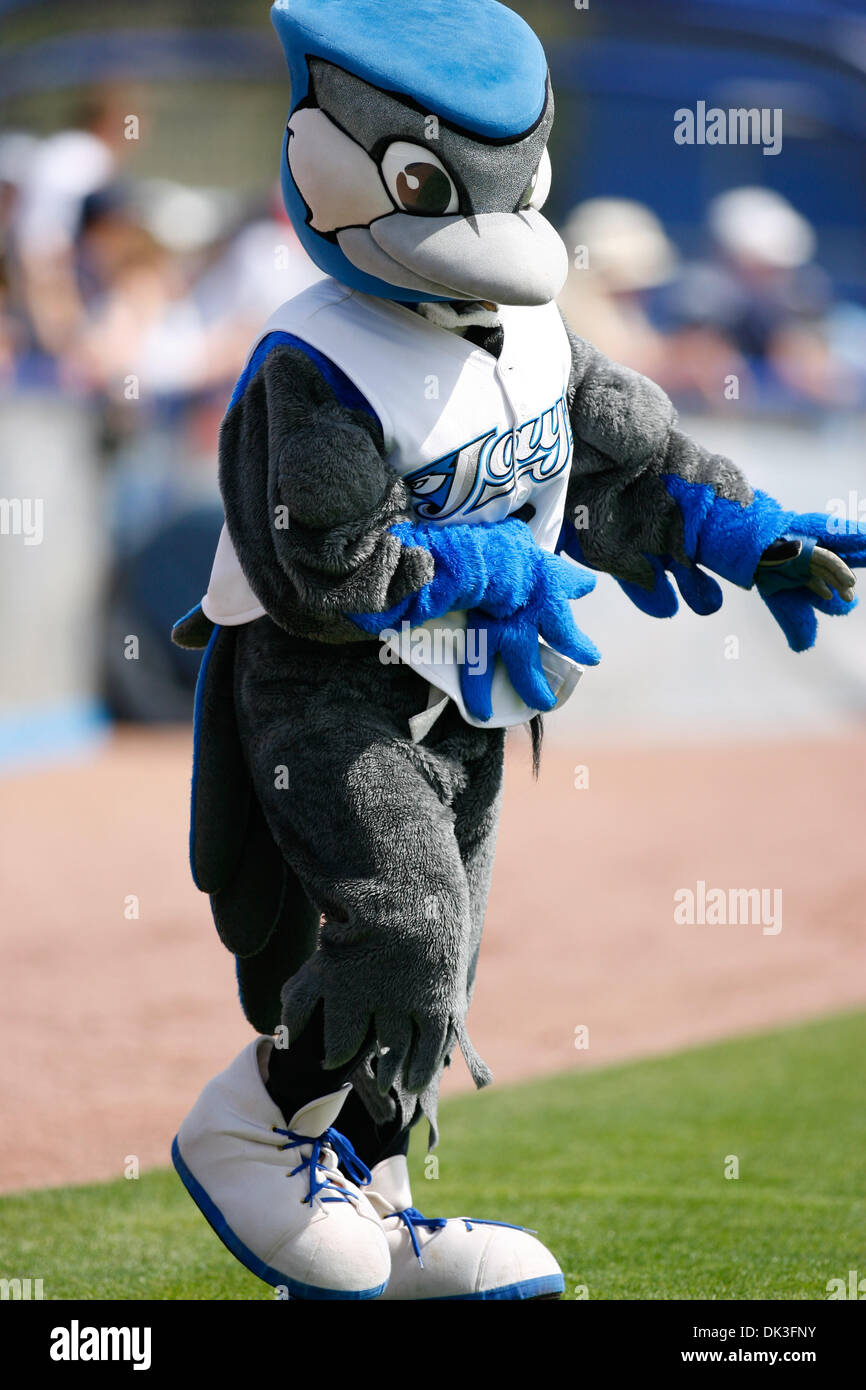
{"points": [[334, 175]]}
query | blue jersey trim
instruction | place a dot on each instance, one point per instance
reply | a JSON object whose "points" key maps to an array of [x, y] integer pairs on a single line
{"points": [[342, 386]]}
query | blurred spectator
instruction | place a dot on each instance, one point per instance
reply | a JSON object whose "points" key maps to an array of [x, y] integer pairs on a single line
{"points": [[172, 299], [758, 307], [143, 326], [16, 150], [62, 172], [9, 335], [106, 227], [619, 252], [262, 267]]}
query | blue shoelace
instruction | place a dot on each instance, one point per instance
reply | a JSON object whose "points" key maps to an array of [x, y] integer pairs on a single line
{"points": [[412, 1217], [355, 1168]]}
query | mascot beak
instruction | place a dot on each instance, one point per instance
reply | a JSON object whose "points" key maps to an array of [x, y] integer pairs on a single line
{"points": [[506, 257]]}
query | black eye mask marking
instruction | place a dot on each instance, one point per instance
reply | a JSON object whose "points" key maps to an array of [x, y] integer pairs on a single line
{"points": [[489, 175]]}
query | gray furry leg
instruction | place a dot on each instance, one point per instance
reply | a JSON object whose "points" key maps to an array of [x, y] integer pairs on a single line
{"points": [[367, 821]]}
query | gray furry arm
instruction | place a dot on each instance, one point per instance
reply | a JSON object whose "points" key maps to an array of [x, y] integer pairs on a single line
{"points": [[637, 482], [309, 499]]}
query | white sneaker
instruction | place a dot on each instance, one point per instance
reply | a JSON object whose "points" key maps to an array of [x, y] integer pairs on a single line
{"points": [[275, 1195], [459, 1258]]}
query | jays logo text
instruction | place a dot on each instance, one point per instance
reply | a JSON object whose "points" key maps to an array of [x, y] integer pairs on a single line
{"points": [[492, 466]]}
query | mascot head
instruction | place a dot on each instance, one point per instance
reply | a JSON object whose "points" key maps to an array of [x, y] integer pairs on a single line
{"points": [[415, 159]]}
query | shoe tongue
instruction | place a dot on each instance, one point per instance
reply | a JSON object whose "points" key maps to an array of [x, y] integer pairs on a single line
{"points": [[318, 1115], [390, 1179]]}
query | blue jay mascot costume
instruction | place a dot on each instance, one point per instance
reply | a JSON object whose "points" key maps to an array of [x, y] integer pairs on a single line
{"points": [[421, 465]]}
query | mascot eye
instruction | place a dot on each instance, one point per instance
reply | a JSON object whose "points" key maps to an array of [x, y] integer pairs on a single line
{"points": [[418, 181], [535, 194]]}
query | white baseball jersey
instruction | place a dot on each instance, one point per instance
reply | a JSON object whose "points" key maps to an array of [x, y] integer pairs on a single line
{"points": [[476, 438]]}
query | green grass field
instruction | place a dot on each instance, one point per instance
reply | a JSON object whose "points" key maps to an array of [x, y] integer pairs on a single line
{"points": [[621, 1171]]}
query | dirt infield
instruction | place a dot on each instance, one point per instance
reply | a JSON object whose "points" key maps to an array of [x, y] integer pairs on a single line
{"points": [[111, 1023]]}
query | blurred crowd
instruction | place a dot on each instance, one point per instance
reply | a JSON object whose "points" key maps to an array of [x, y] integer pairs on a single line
{"points": [[139, 298], [105, 280], [755, 318], [139, 295]]}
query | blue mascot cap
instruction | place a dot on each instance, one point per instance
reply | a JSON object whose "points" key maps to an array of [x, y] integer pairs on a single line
{"points": [[473, 62]]}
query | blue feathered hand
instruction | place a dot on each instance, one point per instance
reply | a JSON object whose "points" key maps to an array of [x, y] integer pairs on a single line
{"points": [[513, 592], [515, 637], [700, 591], [808, 571]]}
